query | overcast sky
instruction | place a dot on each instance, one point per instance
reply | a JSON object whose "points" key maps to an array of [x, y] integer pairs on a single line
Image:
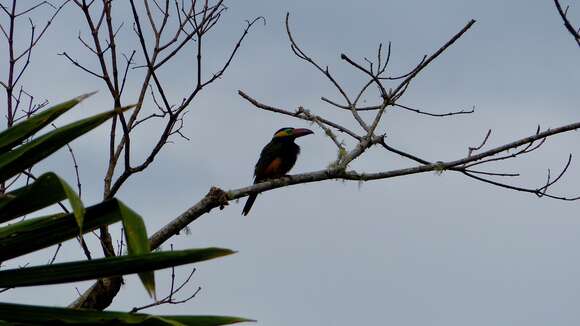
{"points": [[425, 249]]}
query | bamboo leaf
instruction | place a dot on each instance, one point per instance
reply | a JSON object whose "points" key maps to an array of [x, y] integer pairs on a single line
{"points": [[34, 234], [208, 320], [104, 267], [25, 156], [37, 233], [137, 243], [48, 189], [19, 132], [41, 315]]}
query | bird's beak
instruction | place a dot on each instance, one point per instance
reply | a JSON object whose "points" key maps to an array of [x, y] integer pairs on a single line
{"points": [[299, 132]]}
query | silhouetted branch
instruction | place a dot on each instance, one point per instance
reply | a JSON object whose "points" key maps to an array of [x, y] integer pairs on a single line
{"points": [[77, 64], [162, 30], [435, 114], [369, 138], [399, 90], [575, 32], [301, 114], [540, 192], [17, 68], [326, 72], [17, 63], [173, 291]]}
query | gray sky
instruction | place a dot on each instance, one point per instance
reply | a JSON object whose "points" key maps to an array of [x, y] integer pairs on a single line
{"points": [[418, 250]]}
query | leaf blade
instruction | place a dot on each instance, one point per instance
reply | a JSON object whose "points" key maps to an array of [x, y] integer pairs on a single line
{"points": [[19, 132], [37, 233], [25, 156], [137, 242], [105, 267], [46, 190], [19, 313]]}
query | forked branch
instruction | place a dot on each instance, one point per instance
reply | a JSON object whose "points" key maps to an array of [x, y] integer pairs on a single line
{"points": [[574, 31]]}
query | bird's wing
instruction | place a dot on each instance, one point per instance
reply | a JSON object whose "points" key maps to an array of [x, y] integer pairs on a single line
{"points": [[269, 162]]}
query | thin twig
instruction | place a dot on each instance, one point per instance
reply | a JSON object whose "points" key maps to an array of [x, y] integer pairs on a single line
{"points": [[575, 32], [476, 148]]}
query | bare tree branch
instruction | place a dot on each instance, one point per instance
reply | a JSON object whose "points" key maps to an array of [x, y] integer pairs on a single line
{"points": [[173, 291], [18, 63], [159, 42], [575, 32], [301, 114], [194, 23], [219, 198]]}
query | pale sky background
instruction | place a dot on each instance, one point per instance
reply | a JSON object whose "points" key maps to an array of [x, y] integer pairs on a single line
{"points": [[418, 250]]}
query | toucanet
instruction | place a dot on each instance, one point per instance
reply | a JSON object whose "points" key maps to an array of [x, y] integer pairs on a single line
{"points": [[276, 158]]}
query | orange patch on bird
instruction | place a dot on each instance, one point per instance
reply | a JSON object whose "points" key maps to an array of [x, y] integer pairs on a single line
{"points": [[273, 169]]}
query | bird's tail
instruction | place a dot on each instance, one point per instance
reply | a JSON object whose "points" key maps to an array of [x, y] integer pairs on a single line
{"points": [[249, 203]]}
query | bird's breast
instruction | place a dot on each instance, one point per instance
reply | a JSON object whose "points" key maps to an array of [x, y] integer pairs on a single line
{"points": [[274, 168]]}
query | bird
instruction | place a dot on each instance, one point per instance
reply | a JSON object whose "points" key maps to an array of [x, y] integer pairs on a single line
{"points": [[276, 158]]}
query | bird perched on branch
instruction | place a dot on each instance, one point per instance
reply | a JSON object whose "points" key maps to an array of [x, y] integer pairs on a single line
{"points": [[276, 159]]}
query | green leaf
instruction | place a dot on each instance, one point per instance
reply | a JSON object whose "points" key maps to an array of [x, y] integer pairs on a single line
{"points": [[48, 189], [34, 234], [40, 315], [25, 156], [137, 243], [104, 267], [37, 233], [208, 320], [19, 132]]}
